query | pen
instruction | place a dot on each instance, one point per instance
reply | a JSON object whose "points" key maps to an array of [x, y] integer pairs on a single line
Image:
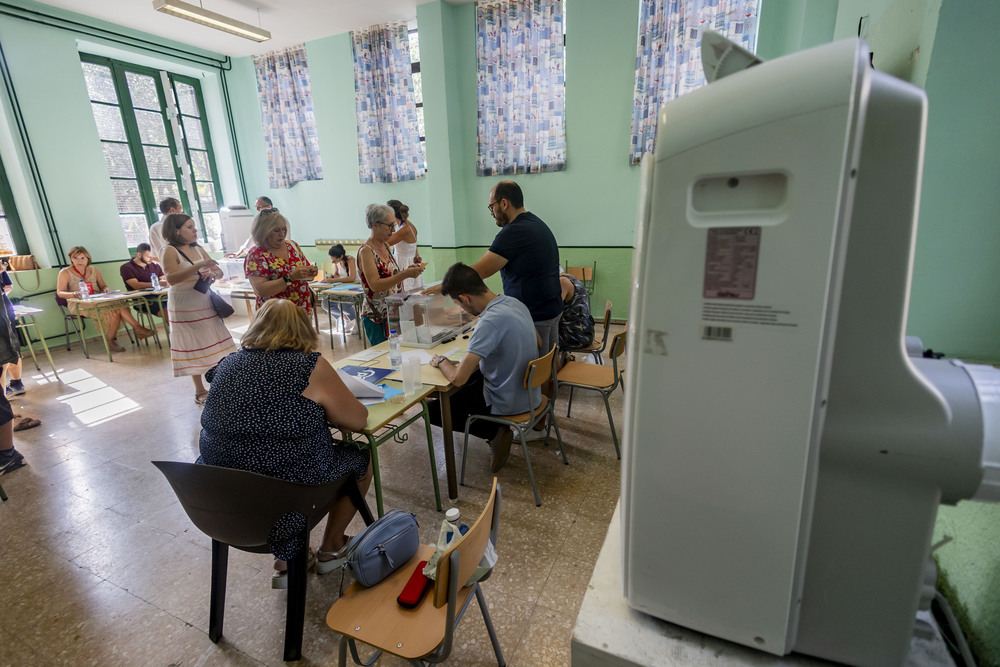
{"points": [[446, 340]]}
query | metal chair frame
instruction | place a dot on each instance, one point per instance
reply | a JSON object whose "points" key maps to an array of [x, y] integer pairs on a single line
{"points": [[617, 349]]}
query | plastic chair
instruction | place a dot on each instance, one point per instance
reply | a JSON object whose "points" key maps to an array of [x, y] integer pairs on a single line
{"points": [[585, 274], [597, 347], [602, 379], [239, 508], [70, 318], [372, 616], [536, 374]]}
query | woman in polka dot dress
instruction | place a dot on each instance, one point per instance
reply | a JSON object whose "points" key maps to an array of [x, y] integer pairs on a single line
{"points": [[269, 411]]}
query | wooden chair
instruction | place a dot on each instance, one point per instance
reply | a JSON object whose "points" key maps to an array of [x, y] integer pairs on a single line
{"points": [[536, 374], [597, 347], [602, 379], [372, 616], [585, 274], [239, 508]]}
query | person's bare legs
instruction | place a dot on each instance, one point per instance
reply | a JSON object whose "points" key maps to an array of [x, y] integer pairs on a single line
{"points": [[199, 387], [114, 322], [340, 516]]}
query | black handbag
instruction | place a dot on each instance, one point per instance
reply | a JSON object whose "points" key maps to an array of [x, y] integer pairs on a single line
{"points": [[204, 285]]}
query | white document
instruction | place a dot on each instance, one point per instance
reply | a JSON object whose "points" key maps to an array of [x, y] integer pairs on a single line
{"points": [[423, 355], [367, 355], [361, 388]]}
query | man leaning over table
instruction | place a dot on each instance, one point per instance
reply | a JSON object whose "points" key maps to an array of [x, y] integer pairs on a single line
{"points": [[137, 273], [490, 376]]}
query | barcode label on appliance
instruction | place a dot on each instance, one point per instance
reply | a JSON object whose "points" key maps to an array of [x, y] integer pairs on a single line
{"points": [[717, 333]]}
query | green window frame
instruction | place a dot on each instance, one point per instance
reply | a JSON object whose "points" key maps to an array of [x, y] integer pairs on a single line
{"points": [[11, 232], [154, 133]]}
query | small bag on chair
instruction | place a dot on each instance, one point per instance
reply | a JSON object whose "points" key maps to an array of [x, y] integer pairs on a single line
{"points": [[382, 548]]}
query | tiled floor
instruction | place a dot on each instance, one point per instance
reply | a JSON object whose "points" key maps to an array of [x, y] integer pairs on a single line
{"points": [[101, 566]]}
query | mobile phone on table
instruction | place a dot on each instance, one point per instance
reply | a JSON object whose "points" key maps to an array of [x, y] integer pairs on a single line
{"points": [[415, 588]]}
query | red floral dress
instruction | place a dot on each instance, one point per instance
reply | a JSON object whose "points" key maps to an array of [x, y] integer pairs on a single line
{"points": [[263, 264]]}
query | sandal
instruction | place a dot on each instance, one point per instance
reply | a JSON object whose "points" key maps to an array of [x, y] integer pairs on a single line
{"points": [[26, 423], [201, 397], [142, 334], [279, 580], [334, 561]]}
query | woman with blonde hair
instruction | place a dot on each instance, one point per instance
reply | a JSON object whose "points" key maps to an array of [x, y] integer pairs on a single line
{"points": [[199, 338], [67, 287], [270, 411], [276, 266]]}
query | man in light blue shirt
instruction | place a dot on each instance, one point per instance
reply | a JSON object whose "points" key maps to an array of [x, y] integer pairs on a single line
{"points": [[491, 374]]}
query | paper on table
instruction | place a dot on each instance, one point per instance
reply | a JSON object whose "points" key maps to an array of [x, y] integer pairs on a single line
{"points": [[390, 391], [367, 355], [454, 354], [423, 355], [360, 388]]}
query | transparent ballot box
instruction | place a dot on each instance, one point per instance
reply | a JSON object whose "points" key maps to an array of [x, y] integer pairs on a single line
{"points": [[424, 320]]}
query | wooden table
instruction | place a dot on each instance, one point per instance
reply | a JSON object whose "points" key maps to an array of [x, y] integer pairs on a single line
{"points": [[241, 290], [344, 293], [93, 306], [25, 319], [444, 389], [380, 428]]}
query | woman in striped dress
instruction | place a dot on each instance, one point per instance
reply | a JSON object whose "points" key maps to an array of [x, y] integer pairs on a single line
{"points": [[198, 337]]}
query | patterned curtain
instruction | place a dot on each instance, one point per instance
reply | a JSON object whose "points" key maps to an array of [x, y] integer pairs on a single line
{"points": [[522, 86], [388, 136], [286, 108], [668, 58]]}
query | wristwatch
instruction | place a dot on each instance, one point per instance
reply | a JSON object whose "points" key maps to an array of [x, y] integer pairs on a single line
{"points": [[284, 276]]}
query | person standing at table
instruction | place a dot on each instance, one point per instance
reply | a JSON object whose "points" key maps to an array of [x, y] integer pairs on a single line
{"points": [[380, 275], [156, 241], [15, 387], [137, 273], [199, 338], [276, 266], [345, 270], [404, 242]]}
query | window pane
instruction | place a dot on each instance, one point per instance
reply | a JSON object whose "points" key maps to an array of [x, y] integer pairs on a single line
{"points": [[6, 240], [418, 89], [213, 228], [158, 162], [199, 165], [119, 160], [151, 130], [186, 99], [420, 121], [142, 89], [100, 85], [109, 122], [414, 47], [127, 196], [135, 229], [164, 189], [192, 130], [206, 195]]}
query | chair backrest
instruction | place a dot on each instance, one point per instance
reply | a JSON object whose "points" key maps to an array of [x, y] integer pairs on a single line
{"points": [[470, 548], [617, 349], [539, 371], [239, 508]]}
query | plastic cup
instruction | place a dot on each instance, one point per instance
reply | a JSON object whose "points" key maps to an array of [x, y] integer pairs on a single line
{"points": [[411, 375]]}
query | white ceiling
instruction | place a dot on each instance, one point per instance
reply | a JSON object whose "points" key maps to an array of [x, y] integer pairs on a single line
{"points": [[289, 21]]}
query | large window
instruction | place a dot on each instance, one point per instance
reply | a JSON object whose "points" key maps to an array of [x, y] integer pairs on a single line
{"points": [[12, 240], [154, 133], [418, 90]]}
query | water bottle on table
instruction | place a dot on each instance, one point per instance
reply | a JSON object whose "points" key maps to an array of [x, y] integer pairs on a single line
{"points": [[84, 290], [154, 280], [395, 354]]}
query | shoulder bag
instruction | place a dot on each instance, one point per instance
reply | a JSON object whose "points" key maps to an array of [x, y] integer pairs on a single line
{"points": [[382, 548], [204, 285]]}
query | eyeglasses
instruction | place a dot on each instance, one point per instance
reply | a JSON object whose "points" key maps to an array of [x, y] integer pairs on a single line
{"points": [[267, 210], [492, 204], [387, 224]]}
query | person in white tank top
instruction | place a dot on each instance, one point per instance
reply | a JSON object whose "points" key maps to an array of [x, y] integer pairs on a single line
{"points": [[404, 242]]}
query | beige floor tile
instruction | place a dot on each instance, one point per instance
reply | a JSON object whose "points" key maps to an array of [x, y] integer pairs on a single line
{"points": [[547, 640]]}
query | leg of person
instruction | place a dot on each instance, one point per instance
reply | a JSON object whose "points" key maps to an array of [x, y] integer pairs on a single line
{"points": [[548, 331], [10, 458], [15, 387], [140, 331], [469, 400], [330, 554], [110, 322], [200, 393]]}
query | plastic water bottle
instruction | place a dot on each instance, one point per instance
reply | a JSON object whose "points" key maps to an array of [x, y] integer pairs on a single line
{"points": [[395, 354], [454, 517], [84, 291], [155, 280]]}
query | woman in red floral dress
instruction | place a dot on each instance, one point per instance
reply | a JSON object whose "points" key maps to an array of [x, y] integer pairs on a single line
{"points": [[276, 267]]}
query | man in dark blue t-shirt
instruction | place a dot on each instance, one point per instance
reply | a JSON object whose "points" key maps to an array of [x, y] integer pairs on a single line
{"points": [[527, 256]]}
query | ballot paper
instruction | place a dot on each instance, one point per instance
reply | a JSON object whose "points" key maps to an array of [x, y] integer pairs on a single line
{"points": [[361, 389]]}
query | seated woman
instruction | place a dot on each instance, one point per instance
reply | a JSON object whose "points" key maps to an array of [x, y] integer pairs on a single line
{"points": [[67, 287], [345, 270], [576, 326], [269, 411]]}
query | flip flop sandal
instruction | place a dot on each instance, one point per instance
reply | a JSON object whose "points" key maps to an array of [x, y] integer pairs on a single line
{"points": [[26, 423], [201, 397], [279, 580]]}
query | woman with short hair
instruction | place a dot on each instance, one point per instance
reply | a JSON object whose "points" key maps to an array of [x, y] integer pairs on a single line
{"points": [[199, 338], [380, 276], [270, 411], [67, 287], [276, 266]]}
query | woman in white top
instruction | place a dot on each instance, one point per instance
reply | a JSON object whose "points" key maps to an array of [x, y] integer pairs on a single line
{"points": [[345, 270], [404, 242]]}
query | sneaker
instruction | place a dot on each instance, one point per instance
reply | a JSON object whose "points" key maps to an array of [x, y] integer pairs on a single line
{"points": [[15, 389], [500, 446], [10, 459]]}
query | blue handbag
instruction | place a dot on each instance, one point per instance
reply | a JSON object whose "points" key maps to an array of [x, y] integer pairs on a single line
{"points": [[382, 548]]}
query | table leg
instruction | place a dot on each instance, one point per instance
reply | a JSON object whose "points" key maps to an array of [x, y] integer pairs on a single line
{"points": [[430, 448], [377, 478], [343, 324], [329, 318], [31, 348], [104, 336], [449, 444], [152, 322], [45, 347]]}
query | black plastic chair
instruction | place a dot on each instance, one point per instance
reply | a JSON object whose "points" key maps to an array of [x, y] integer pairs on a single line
{"points": [[239, 508]]}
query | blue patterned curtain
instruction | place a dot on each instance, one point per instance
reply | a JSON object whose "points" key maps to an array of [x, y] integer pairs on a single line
{"points": [[388, 136], [668, 59], [286, 109], [522, 86]]}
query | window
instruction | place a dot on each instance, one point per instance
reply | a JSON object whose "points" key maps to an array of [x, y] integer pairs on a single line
{"points": [[12, 240], [418, 91], [154, 133]]}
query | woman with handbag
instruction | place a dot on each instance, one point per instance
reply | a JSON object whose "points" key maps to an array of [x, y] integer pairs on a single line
{"points": [[276, 267], [79, 271], [270, 411], [199, 338]]}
